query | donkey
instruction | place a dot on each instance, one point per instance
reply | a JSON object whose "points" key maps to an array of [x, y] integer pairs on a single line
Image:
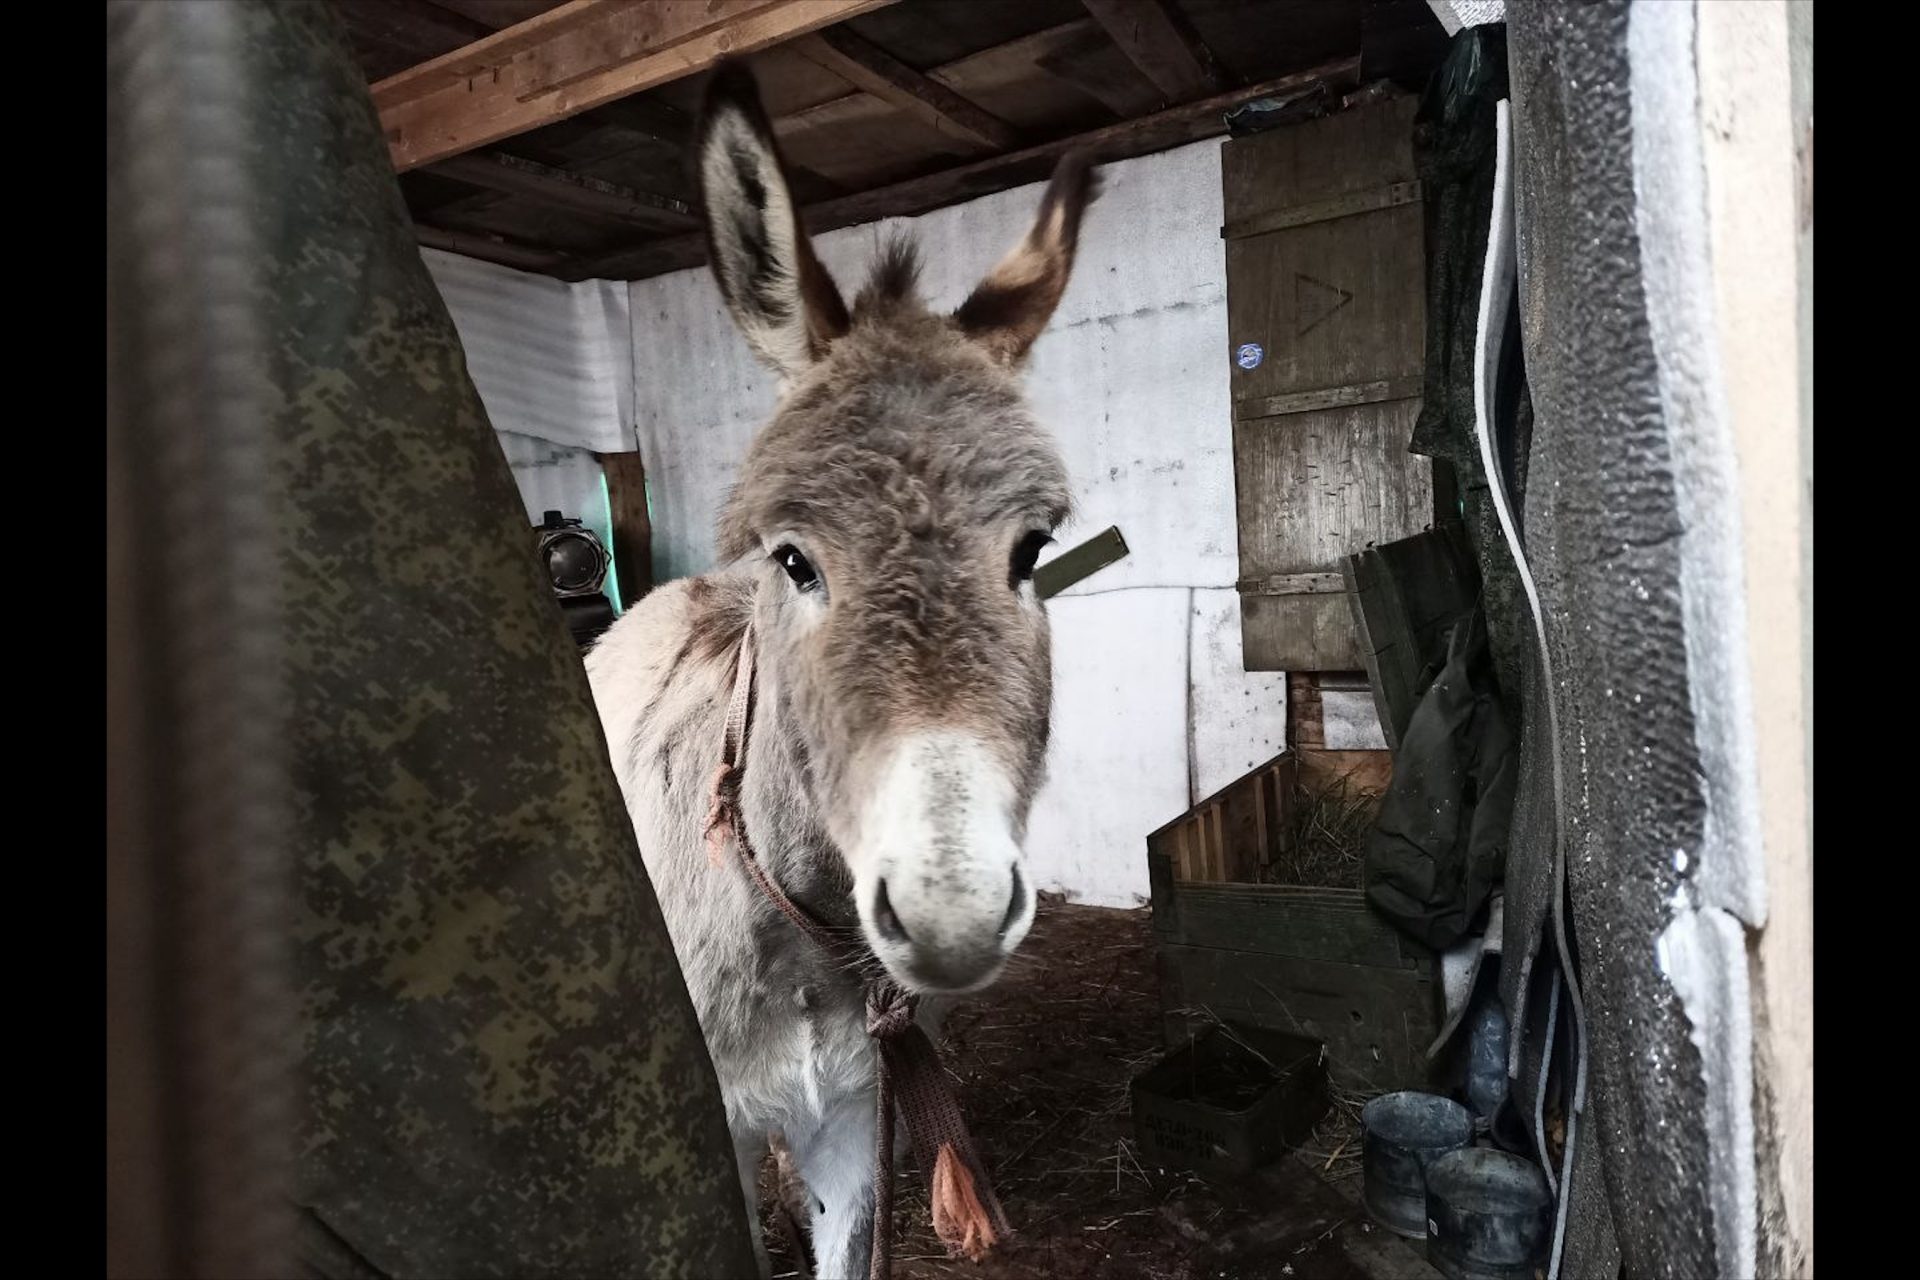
{"points": [[880, 543]]}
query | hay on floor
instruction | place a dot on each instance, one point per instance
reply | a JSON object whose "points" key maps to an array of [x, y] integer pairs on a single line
{"points": [[1326, 837]]}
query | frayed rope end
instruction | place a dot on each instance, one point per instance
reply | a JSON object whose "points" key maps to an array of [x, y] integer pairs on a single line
{"points": [[959, 1219]]}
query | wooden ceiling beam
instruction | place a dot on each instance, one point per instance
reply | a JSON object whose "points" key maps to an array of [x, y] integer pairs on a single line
{"points": [[629, 118], [1175, 126], [497, 171], [488, 248], [1157, 39], [1072, 61], [574, 58], [868, 67]]}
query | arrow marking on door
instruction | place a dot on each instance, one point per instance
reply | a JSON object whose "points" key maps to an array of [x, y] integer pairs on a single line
{"points": [[1316, 298]]}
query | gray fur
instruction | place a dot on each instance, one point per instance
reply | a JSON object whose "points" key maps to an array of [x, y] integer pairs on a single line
{"points": [[911, 693]]}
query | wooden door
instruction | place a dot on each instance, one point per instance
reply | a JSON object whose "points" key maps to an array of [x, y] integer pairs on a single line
{"points": [[1326, 303]]}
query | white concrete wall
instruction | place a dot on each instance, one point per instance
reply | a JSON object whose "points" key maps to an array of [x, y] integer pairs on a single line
{"points": [[1152, 709]]}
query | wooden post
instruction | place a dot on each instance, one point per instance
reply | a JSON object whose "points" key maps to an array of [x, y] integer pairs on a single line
{"points": [[632, 524]]}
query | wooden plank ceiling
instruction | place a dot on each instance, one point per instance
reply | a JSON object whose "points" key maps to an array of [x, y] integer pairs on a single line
{"points": [[550, 135]]}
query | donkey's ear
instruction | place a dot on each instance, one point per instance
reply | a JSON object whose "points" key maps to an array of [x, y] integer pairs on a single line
{"points": [[1013, 304], [780, 295]]}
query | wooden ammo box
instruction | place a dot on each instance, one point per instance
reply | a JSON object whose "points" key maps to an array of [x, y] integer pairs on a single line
{"points": [[1230, 1102], [1311, 961]]}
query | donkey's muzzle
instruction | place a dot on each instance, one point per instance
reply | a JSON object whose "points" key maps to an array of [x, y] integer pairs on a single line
{"points": [[956, 950]]}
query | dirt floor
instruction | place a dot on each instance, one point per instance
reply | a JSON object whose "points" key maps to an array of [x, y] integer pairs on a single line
{"points": [[1043, 1062]]}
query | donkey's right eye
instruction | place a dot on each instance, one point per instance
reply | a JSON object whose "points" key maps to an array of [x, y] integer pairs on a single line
{"points": [[1026, 554], [797, 568]]}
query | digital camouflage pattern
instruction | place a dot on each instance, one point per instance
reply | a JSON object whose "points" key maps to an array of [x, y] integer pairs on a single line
{"points": [[503, 1073]]}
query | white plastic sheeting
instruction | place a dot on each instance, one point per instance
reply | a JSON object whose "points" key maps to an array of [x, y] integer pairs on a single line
{"points": [[550, 360]]}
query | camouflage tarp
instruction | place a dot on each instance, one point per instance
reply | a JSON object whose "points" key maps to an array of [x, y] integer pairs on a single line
{"points": [[503, 1073]]}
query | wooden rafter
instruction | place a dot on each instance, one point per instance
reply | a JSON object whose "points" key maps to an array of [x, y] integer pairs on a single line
{"points": [[489, 248], [573, 59], [1158, 40], [497, 171], [632, 524], [866, 66], [1068, 59], [1189, 122]]}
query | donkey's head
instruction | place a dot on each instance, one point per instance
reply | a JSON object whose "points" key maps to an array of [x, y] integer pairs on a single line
{"points": [[896, 503]]}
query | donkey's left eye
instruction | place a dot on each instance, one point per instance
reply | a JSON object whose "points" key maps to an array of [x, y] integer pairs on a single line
{"points": [[797, 568], [1026, 553]]}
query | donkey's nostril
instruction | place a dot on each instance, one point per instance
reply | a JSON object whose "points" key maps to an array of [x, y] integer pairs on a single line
{"points": [[1016, 904], [890, 927]]}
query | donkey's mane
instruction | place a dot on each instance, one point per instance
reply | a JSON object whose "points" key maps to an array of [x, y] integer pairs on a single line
{"points": [[894, 281]]}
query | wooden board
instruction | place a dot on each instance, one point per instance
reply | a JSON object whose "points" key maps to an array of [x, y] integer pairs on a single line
{"points": [[1309, 488], [572, 59], [868, 67], [1332, 925], [1297, 633], [1232, 834], [1310, 961], [450, 74], [1156, 38], [1188, 122], [1079, 563], [933, 35], [1306, 959], [1361, 770], [1090, 63], [1246, 35], [1335, 302], [1326, 277], [1317, 767], [1313, 487], [632, 520], [1349, 152], [1376, 1023]]}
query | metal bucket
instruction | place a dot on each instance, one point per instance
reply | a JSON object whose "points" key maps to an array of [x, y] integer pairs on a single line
{"points": [[1400, 1135], [1489, 1216]]}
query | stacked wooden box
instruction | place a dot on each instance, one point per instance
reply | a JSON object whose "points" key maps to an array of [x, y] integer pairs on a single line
{"points": [[1304, 959]]}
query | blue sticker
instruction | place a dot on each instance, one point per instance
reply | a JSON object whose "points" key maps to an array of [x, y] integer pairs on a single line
{"points": [[1249, 355]]}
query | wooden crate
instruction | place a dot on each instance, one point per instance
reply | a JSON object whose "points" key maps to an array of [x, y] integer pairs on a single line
{"points": [[1233, 833], [1300, 959]]}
